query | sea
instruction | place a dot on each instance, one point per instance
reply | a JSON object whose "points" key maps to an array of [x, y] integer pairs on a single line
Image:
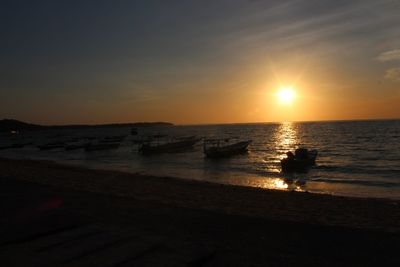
{"points": [[355, 158]]}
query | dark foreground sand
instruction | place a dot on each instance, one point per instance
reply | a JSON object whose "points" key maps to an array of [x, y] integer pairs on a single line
{"points": [[56, 215]]}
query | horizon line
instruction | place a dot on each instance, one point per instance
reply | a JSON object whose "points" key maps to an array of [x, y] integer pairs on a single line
{"points": [[280, 122], [205, 124]]}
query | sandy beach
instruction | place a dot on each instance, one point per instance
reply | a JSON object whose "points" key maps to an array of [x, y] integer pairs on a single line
{"points": [[186, 223]]}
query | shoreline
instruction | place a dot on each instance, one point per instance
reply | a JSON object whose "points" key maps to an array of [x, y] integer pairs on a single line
{"points": [[299, 207], [66, 163]]}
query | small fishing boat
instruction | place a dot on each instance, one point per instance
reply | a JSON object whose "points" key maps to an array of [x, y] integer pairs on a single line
{"points": [[74, 139], [134, 131], [51, 146], [213, 148], [171, 146], [6, 147], [101, 146], [113, 139], [17, 145], [76, 145], [300, 161]]}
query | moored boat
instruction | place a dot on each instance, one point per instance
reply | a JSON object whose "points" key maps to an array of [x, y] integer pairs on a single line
{"points": [[76, 145], [101, 146], [134, 131], [300, 161], [176, 145], [113, 139], [51, 146], [16, 145], [212, 148]]}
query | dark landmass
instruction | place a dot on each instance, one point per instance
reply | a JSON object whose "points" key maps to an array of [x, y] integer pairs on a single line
{"points": [[8, 125], [58, 215]]}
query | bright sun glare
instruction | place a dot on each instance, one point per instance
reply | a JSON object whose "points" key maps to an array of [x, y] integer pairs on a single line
{"points": [[286, 95]]}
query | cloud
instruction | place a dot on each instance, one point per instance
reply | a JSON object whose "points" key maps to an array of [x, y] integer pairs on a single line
{"points": [[389, 55], [304, 24], [393, 74]]}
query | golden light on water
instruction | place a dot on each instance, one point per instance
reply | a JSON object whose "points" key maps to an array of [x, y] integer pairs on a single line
{"points": [[279, 184], [286, 136], [286, 95]]}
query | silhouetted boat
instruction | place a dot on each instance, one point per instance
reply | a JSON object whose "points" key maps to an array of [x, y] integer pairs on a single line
{"points": [[18, 145], [74, 139], [113, 139], [101, 146], [177, 145], [6, 147], [216, 150], [51, 146], [300, 161], [76, 146]]}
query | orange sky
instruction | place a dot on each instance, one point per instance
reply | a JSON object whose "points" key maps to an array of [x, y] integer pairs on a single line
{"points": [[199, 62]]}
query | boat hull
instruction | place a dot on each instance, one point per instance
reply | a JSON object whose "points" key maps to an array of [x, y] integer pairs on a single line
{"points": [[227, 151], [172, 147], [299, 165], [102, 146]]}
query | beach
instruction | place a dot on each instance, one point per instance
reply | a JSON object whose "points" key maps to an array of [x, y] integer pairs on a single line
{"points": [[186, 222]]}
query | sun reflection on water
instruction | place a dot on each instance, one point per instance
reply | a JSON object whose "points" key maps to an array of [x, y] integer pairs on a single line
{"points": [[286, 136], [277, 184], [283, 139]]}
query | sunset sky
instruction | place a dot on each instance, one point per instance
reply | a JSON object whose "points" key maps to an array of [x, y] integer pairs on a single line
{"points": [[192, 62]]}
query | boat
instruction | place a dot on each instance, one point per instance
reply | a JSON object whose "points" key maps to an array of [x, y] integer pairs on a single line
{"points": [[300, 161], [6, 147], [113, 139], [213, 148], [76, 145], [51, 146], [101, 146], [176, 145], [134, 131], [17, 145]]}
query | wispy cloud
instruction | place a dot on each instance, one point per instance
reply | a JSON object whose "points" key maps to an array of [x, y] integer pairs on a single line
{"points": [[389, 55], [393, 74], [298, 24]]}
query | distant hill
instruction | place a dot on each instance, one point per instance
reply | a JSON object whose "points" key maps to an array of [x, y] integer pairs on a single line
{"points": [[8, 125]]}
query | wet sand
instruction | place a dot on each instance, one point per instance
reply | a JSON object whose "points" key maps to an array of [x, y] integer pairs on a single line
{"points": [[136, 220]]}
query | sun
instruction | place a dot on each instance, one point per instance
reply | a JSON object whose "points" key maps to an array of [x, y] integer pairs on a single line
{"points": [[286, 95]]}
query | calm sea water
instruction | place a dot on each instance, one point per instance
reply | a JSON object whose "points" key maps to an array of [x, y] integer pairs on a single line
{"points": [[356, 158]]}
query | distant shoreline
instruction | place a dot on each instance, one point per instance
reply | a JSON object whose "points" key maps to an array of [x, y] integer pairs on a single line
{"points": [[8, 125], [366, 213]]}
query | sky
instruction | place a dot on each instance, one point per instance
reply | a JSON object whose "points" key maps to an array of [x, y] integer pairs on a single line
{"points": [[194, 62]]}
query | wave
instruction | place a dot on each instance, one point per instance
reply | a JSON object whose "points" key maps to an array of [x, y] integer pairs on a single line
{"points": [[368, 169], [356, 182]]}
